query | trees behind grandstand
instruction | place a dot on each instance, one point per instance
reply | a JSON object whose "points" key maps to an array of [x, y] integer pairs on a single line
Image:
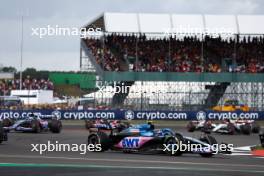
{"points": [[8, 69]]}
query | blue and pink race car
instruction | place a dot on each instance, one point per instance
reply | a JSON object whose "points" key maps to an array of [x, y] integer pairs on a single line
{"points": [[144, 137], [33, 123]]}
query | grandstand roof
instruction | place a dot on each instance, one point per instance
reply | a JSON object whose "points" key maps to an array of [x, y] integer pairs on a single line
{"points": [[157, 25]]}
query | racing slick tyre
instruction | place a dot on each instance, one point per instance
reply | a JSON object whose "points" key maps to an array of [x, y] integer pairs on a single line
{"points": [[35, 126], [209, 140], [55, 126], [231, 128], [100, 138], [190, 127], [1, 132], [246, 129], [88, 124], [174, 141], [255, 127], [7, 122], [207, 127]]}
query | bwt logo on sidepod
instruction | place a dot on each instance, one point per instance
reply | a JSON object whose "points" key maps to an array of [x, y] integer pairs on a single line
{"points": [[130, 143], [201, 115], [129, 115], [57, 114]]}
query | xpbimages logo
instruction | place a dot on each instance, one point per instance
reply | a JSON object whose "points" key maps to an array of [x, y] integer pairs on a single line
{"points": [[198, 148], [49, 30], [116, 87], [60, 147]]}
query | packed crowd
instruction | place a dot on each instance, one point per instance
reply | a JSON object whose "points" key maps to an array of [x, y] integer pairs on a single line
{"points": [[174, 55], [110, 62], [27, 84]]}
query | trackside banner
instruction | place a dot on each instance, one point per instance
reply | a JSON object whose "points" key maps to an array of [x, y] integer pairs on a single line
{"points": [[133, 115]]}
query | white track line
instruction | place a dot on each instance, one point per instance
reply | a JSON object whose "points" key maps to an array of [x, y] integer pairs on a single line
{"points": [[129, 160], [130, 167]]}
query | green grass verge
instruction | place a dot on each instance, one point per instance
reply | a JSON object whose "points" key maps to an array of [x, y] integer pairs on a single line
{"points": [[258, 147]]}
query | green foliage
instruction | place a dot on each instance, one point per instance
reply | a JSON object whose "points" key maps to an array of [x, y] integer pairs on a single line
{"points": [[8, 69]]}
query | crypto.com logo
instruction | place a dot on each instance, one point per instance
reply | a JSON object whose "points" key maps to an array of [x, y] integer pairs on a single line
{"points": [[57, 114], [201, 115], [129, 115]]}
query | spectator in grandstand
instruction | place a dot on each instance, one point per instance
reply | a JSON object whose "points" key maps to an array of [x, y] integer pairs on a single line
{"points": [[162, 55], [27, 84]]}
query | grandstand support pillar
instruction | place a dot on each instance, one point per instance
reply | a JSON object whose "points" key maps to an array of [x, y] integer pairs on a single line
{"points": [[141, 96], [81, 56], [121, 92], [236, 39], [21, 53], [217, 91], [103, 47], [137, 53], [202, 51], [169, 57]]}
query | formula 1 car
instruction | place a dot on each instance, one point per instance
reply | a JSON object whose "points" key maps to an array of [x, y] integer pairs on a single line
{"points": [[33, 123], [102, 124], [3, 134], [142, 138], [225, 127], [199, 125]]}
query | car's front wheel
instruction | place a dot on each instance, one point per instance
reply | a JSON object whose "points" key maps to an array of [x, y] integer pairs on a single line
{"points": [[210, 140], [1, 133], [255, 127], [190, 127], [35, 125], [246, 129], [100, 138], [55, 126]]}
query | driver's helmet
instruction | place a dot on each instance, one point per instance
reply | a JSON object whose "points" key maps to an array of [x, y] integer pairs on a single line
{"points": [[150, 122], [33, 116], [102, 121]]}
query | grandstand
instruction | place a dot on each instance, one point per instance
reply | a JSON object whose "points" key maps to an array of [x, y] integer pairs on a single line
{"points": [[176, 62]]}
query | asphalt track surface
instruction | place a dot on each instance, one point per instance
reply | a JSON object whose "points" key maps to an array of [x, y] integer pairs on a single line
{"points": [[16, 158]]}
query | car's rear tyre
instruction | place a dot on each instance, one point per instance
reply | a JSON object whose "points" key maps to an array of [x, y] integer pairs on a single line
{"points": [[55, 126], [207, 127], [1, 132], [35, 126], [255, 127], [246, 129], [7, 122], [88, 124], [190, 127], [209, 140], [174, 142], [231, 128], [100, 138]]}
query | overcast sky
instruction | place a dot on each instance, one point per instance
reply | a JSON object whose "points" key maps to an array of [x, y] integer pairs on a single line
{"points": [[62, 53]]}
